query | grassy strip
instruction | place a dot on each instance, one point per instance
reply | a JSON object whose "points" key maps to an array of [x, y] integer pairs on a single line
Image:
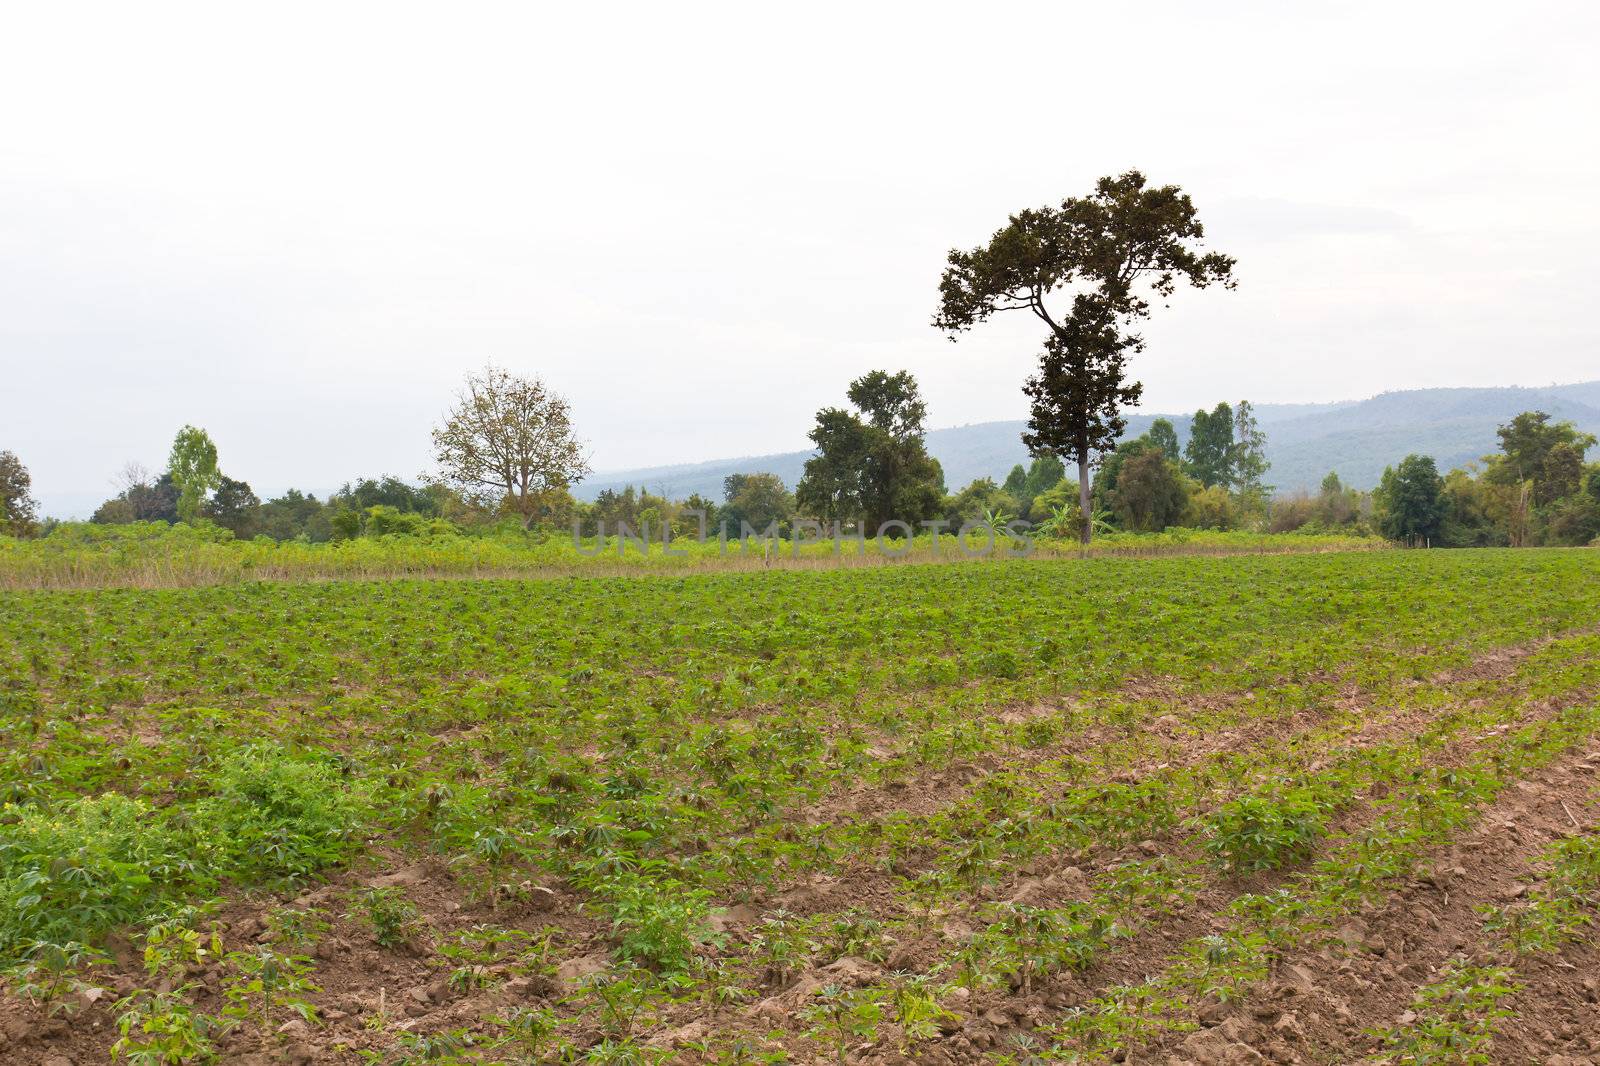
{"points": [[154, 555]]}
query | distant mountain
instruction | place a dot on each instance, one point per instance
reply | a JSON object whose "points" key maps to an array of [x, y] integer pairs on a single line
{"points": [[1455, 426], [1356, 438]]}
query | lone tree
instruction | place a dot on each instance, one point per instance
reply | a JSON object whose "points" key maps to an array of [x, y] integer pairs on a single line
{"points": [[873, 464], [18, 511], [1087, 270], [510, 438], [192, 465]]}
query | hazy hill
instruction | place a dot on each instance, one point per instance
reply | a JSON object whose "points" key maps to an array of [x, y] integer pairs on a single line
{"points": [[1304, 441]]}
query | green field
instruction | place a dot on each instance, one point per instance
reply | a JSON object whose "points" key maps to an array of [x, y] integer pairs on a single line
{"points": [[1042, 810]]}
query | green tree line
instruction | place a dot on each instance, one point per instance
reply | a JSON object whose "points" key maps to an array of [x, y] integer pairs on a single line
{"points": [[872, 466]]}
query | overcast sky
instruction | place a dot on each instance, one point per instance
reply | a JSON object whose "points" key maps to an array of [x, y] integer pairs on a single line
{"points": [[299, 226]]}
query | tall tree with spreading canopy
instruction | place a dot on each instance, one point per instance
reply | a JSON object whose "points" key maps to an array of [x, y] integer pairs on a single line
{"points": [[872, 464], [192, 465], [1087, 270], [511, 439], [1547, 455], [18, 511]]}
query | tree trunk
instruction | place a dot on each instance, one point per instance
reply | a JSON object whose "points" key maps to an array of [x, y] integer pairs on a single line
{"points": [[1083, 497]]}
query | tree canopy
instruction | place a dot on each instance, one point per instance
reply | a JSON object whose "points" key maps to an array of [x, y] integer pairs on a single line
{"points": [[1087, 270], [192, 466], [872, 464], [890, 402], [18, 511], [1408, 499], [1077, 395], [511, 438], [754, 499], [1149, 495], [1249, 453], [236, 507], [1164, 435], [1547, 454], [1209, 453]]}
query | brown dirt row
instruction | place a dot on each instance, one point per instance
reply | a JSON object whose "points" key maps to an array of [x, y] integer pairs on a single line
{"points": [[361, 983], [991, 1018], [926, 789], [1169, 716], [865, 885], [1323, 1003]]}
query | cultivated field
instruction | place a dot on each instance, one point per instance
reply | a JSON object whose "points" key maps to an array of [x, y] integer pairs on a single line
{"points": [[1308, 808]]}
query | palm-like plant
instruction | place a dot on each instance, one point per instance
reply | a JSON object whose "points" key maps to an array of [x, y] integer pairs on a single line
{"points": [[997, 519], [1065, 521]]}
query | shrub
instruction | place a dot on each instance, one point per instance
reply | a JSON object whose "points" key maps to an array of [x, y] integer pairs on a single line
{"points": [[1214, 508], [391, 915], [1262, 832], [1001, 663], [73, 872], [658, 924], [275, 815], [1454, 1018]]}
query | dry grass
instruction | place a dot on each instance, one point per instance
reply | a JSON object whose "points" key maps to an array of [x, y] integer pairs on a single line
{"points": [[156, 556]]}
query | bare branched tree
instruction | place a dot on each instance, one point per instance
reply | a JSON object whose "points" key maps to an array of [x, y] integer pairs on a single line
{"points": [[510, 438], [133, 475]]}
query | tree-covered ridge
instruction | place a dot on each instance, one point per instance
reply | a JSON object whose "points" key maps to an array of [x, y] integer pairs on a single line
{"points": [[1304, 441]]}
